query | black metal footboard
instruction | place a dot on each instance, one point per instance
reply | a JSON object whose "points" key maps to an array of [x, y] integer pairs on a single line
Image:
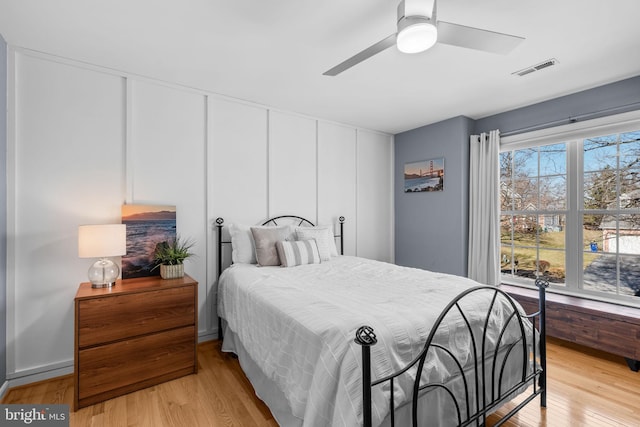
{"points": [[481, 386]]}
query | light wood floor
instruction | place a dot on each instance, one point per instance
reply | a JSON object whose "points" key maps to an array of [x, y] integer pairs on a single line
{"points": [[586, 388]]}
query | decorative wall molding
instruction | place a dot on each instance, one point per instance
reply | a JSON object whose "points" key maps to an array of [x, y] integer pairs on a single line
{"points": [[93, 108]]}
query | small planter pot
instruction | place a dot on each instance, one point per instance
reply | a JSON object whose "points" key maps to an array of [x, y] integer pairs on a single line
{"points": [[171, 271]]}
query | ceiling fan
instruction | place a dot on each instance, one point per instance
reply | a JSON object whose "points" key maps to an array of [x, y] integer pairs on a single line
{"points": [[419, 29]]}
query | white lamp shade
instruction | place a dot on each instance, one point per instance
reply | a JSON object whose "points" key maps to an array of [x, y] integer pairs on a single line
{"points": [[417, 37], [99, 241]]}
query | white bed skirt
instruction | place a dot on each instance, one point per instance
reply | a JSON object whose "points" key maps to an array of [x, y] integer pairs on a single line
{"points": [[432, 412], [264, 387]]}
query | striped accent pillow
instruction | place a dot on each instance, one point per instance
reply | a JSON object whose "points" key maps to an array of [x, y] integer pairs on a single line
{"points": [[298, 252]]}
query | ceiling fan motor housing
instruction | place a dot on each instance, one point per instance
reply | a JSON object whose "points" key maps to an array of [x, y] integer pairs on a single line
{"points": [[417, 30], [416, 34], [407, 21]]}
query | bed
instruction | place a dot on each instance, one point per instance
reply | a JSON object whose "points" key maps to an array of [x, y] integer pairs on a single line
{"points": [[348, 341]]}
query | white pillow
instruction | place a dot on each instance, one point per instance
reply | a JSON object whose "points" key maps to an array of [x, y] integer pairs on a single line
{"points": [[242, 246], [298, 252], [323, 235], [265, 239]]}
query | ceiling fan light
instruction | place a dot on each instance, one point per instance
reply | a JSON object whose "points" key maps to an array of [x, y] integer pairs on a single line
{"points": [[417, 37]]}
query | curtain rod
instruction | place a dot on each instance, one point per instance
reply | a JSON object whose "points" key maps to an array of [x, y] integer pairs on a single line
{"points": [[573, 119]]}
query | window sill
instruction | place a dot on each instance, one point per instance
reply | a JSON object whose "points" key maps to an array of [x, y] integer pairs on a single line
{"points": [[597, 324], [560, 290], [613, 309]]}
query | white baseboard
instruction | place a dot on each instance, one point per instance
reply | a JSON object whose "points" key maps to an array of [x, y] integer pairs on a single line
{"points": [[207, 336], [4, 389], [41, 373]]}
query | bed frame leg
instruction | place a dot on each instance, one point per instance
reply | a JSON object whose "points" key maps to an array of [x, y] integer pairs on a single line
{"points": [[542, 301], [633, 364], [366, 338], [219, 225]]}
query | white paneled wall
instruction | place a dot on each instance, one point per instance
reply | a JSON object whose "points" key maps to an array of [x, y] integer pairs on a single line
{"points": [[237, 190], [84, 140], [68, 169], [292, 165], [374, 199], [166, 159], [337, 179], [238, 161]]}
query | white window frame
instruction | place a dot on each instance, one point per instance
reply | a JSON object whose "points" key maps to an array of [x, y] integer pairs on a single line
{"points": [[572, 134]]}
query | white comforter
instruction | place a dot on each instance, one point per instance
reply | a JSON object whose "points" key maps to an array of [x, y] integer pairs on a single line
{"points": [[298, 325]]}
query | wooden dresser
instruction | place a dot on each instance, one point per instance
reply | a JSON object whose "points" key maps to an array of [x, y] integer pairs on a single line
{"points": [[136, 334]]}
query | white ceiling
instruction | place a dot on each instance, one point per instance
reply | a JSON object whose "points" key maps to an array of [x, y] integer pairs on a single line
{"points": [[274, 52]]}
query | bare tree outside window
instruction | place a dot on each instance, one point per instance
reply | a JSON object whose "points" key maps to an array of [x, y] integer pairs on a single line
{"points": [[605, 225], [533, 190]]}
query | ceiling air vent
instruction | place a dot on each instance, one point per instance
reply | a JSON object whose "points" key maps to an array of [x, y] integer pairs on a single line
{"points": [[545, 64]]}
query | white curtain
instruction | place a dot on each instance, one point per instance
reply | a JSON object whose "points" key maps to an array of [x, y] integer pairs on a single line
{"points": [[484, 208]]}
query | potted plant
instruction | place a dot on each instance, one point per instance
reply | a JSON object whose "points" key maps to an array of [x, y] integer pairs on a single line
{"points": [[170, 255]]}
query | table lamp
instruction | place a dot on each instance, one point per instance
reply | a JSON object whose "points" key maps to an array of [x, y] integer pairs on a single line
{"points": [[102, 241]]}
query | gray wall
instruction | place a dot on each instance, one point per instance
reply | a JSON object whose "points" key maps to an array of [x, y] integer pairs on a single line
{"points": [[613, 98], [3, 211], [431, 228]]}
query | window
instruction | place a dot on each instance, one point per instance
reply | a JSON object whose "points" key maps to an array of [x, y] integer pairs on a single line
{"points": [[570, 210]]}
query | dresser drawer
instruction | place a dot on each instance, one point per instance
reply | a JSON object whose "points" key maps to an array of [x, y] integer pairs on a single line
{"points": [[112, 318], [113, 368]]}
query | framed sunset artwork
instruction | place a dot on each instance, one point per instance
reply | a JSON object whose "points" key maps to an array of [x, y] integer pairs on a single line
{"points": [[147, 225]]}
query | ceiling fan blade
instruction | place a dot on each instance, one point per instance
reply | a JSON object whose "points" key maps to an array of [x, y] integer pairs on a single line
{"points": [[365, 54], [475, 38]]}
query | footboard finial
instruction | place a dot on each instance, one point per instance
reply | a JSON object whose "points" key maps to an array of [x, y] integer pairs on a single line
{"points": [[366, 338], [542, 283]]}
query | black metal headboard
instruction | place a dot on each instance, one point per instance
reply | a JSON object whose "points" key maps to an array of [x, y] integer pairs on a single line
{"points": [[274, 221], [293, 218]]}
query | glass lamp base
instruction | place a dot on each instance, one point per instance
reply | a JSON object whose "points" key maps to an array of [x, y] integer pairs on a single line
{"points": [[103, 273], [103, 285]]}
